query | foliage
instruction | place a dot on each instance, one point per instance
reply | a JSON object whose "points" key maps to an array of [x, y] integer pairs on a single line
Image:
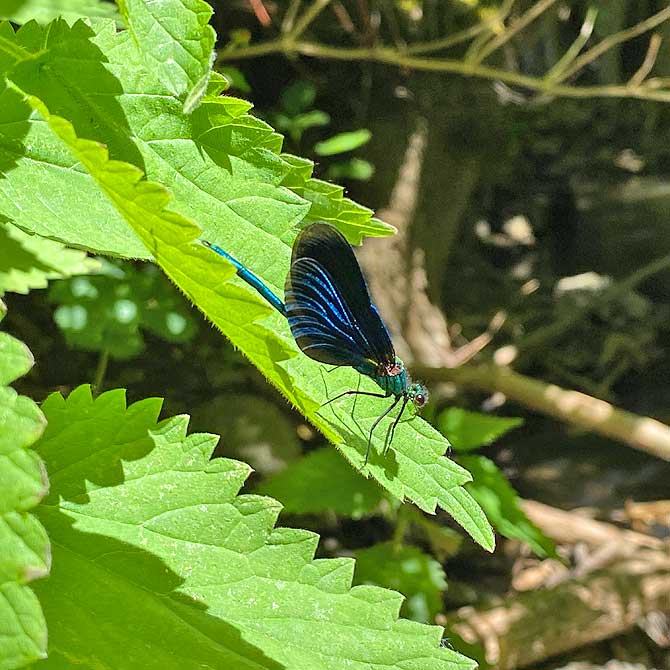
{"points": [[470, 430], [343, 142], [29, 261], [501, 504], [323, 482], [252, 429], [107, 312], [25, 554], [296, 116], [406, 569], [142, 522], [22, 11], [228, 176], [152, 543]]}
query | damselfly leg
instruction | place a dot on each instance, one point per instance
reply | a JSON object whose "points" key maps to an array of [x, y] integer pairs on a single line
{"points": [[375, 424], [389, 441]]}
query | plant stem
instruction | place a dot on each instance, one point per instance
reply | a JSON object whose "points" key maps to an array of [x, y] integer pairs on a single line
{"points": [[613, 40], [100, 371], [389, 56], [402, 524], [307, 18]]}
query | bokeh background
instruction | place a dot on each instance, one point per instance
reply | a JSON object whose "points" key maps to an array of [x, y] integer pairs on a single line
{"points": [[534, 236]]}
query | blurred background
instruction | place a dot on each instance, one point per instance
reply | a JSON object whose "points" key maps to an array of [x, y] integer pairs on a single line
{"points": [[530, 277]]}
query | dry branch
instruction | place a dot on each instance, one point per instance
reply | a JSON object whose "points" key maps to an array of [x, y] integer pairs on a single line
{"points": [[530, 627], [570, 528], [573, 407]]}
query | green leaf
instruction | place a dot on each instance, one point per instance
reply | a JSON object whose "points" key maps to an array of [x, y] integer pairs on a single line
{"points": [[252, 429], [222, 164], [329, 204], [470, 430], [501, 504], [236, 78], [25, 553], [338, 144], [444, 541], [108, 312], [175, 41], [311, 119], [408, 570], [22, 11], [323, 482], [257, 226], [297, 97], [354, 168], [414, 468], [158, 562], [44, 189], [30, 261]]}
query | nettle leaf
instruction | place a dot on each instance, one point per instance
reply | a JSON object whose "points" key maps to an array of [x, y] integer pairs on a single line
{"points": [[406, 569], [241, 206], [22, 11], [30, 261], [158, 562], [252, 429], [500, 501], [323, 482], [25, 553], [222, 164], [176, 42], [108, 312], [470, 430]]}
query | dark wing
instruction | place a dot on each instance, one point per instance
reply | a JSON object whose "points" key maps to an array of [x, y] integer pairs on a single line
{"points": [[328, 305]]}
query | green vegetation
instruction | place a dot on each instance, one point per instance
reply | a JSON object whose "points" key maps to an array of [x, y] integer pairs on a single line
{"points": [[509, 147]]}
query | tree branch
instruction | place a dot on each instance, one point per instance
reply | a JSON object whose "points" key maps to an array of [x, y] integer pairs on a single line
{"points": [[573, 407], [551, 84]]}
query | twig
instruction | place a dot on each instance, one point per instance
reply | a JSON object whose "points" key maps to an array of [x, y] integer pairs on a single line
{"points": [[343, 17], [525, 629], [613, 40], [261, 12], [520, 24], [579, 43], [648, 62], [453, 66], [100, 371], [463, 35], [573, 407], [571, 527], [307, 18], [289, 18]]}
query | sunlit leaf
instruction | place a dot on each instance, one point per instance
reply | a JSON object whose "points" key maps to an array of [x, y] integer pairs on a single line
{"points": [[22, 11], [323, 481], [257, 225], [30, 261], [24, 546], [159, 563]]}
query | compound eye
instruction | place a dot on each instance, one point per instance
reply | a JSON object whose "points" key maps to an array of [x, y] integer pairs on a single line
{"points": [[420, 399]]}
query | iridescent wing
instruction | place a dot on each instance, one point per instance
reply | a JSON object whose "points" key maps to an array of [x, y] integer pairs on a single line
{"points": [[328, 304]]}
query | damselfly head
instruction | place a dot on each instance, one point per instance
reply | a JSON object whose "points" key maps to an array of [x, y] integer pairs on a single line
{"points": [[418, 394]]}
